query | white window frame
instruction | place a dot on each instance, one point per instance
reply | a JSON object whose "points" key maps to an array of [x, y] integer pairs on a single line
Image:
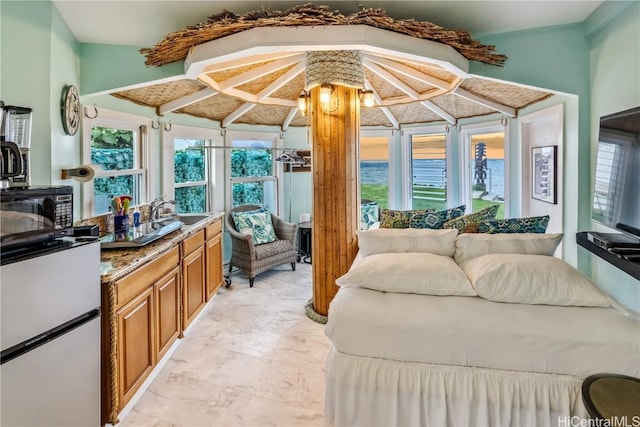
{"points": [[276, 143], [213, 160], [405, 166], [466, 132], [393, 161], [116, 120]]}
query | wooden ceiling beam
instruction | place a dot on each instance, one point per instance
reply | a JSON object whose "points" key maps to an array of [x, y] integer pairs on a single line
{"points": [[258, 72], [439, 111], [244, 108], [504, 109], [281, 81], [378, 100], [408, 71], [183, 101], [289, 119], [391, 79]]}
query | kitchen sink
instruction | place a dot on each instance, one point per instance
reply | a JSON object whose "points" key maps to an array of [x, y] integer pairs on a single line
{"points": [[140, 236], [190, 219]]}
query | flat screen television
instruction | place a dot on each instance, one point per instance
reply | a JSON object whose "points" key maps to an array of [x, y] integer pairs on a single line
{"points": [[616, 195]]}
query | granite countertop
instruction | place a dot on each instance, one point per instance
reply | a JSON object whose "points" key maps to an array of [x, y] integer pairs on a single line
{"points": [[116, 263]]}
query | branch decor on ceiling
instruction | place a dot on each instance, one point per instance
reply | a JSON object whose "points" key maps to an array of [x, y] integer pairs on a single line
{"points": [[176, 45]]}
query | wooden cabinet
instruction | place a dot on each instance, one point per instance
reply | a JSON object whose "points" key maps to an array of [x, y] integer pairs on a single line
{"points": [[141, 321], [193, 277], [136, 352], [167, 303], [146, 311], [213, 258]]}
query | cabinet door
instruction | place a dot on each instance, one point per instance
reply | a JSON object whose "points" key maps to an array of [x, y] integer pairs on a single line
{"points": [[167, 295], [214, 265], [136, 335], [193, 285]]}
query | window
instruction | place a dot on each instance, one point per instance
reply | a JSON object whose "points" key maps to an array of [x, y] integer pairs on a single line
{"points": [[374, 169], [192, 162], [252, 174], [611, 167], [428, 171], [191, 184], [484, 183], [114, 141]]}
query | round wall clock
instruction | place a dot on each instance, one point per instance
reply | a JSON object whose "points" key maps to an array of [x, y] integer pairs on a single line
{"points": [[70, 109]]}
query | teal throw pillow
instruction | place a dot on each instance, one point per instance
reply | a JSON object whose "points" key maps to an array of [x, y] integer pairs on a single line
{"points": [[534, 224], [469, 223], [369, 214], [256, 223], [435, 220], [391, 218]]}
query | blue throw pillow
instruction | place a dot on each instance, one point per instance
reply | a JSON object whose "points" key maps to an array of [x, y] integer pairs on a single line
{"points": [[369, 214], [256, 223], [534, 224], [435, 219]]}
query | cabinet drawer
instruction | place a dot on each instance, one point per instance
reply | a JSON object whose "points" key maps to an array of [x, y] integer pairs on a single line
{"points": [[192, 243], [131, 285], [213, 229]]}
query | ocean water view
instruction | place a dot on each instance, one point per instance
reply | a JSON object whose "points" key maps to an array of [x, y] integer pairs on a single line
{"points": [[431, 172]]}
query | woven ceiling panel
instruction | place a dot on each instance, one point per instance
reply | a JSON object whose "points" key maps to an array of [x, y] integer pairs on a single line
{"points": [[291, 90], [215, 107], [417, 85], [414, 113], [373, 117], [265, 115], [223, 75], [459, 107], [511, 95], [433, 71], [156, 95], [255, 86], [381, 86]]}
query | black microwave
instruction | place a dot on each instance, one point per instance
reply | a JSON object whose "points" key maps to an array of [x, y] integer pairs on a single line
{"points": [[34, 215]]}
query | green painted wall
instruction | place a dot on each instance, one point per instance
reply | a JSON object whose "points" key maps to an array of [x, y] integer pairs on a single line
{"points": [[615, 86]]}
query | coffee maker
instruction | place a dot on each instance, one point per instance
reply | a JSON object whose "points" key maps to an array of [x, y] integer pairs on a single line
{"points": [[15, 128]]}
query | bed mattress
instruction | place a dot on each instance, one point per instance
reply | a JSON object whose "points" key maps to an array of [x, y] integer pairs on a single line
{"points": [[471, 331]]}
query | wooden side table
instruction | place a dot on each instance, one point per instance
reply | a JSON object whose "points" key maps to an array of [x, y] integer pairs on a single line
{"points": [[304, 242], [608, 396]]}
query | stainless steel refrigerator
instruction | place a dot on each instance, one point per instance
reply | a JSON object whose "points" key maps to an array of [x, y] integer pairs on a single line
{"points": [[50, 338]]}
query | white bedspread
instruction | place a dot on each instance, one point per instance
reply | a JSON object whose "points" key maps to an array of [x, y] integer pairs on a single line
{"points": [[470, 331]]}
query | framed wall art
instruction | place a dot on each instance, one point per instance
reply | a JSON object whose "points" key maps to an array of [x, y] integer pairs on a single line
{"points": [[544, 170]]}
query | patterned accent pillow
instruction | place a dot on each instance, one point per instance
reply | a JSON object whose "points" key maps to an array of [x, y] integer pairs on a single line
{"points": [[435, 219], [399, 219], [256, 223], [469, 223], [534, 224], [369, 214]]}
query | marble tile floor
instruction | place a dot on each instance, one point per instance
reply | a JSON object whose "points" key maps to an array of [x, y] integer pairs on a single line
{"points": [[253, 358]]}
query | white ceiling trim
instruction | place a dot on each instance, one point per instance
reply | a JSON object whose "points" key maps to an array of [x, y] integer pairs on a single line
{"points": [[244, 108], [409, 72], [439, 111], [505, 109], [281, 81], [258, 72], [181, 102]]}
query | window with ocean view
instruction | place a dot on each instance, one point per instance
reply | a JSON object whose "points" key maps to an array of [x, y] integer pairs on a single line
{"points": [[374, 170], [487, 171], [429, 171]]}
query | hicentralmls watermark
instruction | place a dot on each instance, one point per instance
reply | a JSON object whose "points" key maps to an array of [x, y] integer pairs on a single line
{"points": [[576, 421]]}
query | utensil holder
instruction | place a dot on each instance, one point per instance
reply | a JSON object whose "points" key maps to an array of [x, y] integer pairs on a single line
{"points": [[120, 223]]}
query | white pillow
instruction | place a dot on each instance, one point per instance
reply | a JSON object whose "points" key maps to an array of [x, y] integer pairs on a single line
{"points": [[396, 240], [471, 245], [531, 279], [408, 273]]}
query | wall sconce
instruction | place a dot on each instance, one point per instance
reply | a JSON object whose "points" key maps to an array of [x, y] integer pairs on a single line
{"points": [[302, 104], [367, 97], [325, 96]]}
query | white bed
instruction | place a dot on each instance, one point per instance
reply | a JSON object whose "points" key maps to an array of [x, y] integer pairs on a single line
{"points": [[416, 359]]}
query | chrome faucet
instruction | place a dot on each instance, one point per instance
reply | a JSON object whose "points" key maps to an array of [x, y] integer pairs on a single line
{"points": [[156, 204]]}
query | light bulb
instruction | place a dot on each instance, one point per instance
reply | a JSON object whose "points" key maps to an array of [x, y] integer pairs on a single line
{"points": [[302, 104], [325, 96], [368, 98]]}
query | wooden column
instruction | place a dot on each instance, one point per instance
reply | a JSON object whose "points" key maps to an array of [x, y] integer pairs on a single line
{"points": [[335, 135]]}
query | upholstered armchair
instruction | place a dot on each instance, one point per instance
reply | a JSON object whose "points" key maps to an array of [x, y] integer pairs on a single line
{"points": [[254, 259]]}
